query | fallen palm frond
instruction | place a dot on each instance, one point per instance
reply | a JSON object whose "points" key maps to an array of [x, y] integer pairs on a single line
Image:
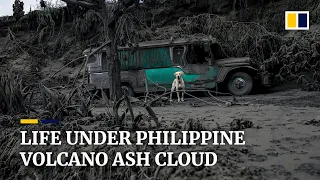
{"points": [[237, 39], [284, 57], [12, 98], [88, 24], [293, 61], [58, 105], [134, 120]]}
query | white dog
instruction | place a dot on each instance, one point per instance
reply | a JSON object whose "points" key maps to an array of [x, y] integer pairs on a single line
{"points": [[178, 85]]}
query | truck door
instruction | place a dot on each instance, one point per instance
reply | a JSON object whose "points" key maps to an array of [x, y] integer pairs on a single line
{"points": [[198, 63], [165, 76]]}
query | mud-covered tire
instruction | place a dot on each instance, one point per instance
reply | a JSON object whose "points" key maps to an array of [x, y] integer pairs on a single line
{"points": [[240, 83], [125, 88]]}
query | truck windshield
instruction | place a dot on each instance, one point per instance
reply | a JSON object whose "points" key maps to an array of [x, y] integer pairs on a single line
{"points": [[104, 61], [178, 55], [93, 60], [196, 54], [217, 51]]}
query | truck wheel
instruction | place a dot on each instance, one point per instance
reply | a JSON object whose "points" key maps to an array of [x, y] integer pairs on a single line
{"points": [[127, 89], [240, 83]]}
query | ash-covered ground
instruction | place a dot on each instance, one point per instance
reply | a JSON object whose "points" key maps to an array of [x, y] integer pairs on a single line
{"points": [[282, 133], [282, 142]]}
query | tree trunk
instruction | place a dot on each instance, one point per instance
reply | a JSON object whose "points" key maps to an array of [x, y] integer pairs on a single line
{"points": [[114, 68], [117, 75], [112, 59], [110, 27]]}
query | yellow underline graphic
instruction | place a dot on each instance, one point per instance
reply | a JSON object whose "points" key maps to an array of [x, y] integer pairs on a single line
{"points": [[29, 121]]}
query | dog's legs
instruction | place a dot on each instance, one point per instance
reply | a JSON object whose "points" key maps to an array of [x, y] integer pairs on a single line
{"points": [[182, 95], [172, 89], [178, 95]]}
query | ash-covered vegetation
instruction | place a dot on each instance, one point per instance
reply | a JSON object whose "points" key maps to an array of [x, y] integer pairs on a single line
{"points": [[33, 43]]}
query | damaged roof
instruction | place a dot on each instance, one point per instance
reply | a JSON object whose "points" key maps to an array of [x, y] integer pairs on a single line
{"points": [[161, 43]]}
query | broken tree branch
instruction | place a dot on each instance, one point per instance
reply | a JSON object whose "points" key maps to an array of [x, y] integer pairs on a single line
{"points": [[130, 107], [84, 3]]}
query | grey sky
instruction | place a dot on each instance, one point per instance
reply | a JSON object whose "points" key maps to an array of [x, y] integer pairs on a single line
{"points": [[6, 5]]}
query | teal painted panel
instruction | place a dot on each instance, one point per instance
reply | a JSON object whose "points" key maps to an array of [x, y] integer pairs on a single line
{"points": [[165, 76], [155, 57], [145, 58], [212, 74], [129, 60]]}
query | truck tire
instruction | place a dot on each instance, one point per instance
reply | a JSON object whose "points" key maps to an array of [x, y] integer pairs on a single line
{"points": [[240, 83], [126, 88]]}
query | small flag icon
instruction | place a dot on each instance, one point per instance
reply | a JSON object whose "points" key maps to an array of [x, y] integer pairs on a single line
{"points": [[297, 20], [50, 121], [37, 121], [29, 121]]}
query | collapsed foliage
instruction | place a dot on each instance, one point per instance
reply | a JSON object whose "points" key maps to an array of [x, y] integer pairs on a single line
{"points": [[12, 99], [11, 164], [286, 58]]}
